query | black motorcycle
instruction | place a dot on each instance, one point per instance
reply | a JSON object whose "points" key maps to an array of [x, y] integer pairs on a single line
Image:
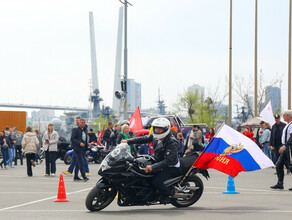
{"points": [[63, 147], [123, 174]]}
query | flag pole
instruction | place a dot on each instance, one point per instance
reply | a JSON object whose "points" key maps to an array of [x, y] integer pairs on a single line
{"points": [[230, 69], [289, 59], [256, 62]]}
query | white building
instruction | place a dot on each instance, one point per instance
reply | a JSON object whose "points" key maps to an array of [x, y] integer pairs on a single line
{"points": [[133, 95], [197, 89], [42, 115]]}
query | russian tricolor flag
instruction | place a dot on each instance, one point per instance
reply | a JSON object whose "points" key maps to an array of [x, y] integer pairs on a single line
{"points": [[231, 152]]}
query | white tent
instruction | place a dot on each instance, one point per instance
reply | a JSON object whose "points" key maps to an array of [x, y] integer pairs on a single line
{"points": [[253, 122]]}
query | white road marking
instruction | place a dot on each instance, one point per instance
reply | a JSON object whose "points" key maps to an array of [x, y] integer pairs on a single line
{"points": [[197, 210], [41, 200], [253, 190], [24, 192]]}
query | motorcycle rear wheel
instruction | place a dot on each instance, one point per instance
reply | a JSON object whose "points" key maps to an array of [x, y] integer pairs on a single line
{"points": [[195, 195], [68, 159], [97, 199]]}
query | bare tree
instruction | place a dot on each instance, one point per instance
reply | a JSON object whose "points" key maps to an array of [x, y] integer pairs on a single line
{"points": [[243, 88]]}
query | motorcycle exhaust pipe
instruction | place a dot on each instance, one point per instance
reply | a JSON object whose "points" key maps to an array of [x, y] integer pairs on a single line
{"points": [[192, 188], [181, 196]]}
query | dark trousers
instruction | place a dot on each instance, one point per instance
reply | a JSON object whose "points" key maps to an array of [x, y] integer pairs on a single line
{"points": [[29, 157], [5, 155], [283, 160], [18, 154], [50, 162], [79, 164], [166, 174]]}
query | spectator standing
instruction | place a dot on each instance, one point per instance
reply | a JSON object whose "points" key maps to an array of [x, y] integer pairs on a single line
{"points": [[79, 140], [284, 151], [125, 135], [30, 144], [50, 140], [260, 133], [116, 134], [4, 149], [38, 154], [265, 139], [18, 136], [275, 139], [73, 162], [210, 135], [181, 147], [11, 148], [108, 135], [248, 133], [144, 149], [195, 141]]}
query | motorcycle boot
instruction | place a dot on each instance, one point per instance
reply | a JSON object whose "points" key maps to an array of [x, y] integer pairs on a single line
{"points": [[166, 199]]}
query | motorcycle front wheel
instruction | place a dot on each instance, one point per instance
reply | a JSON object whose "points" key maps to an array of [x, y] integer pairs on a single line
{"points": [[97, 199], [196, 188]]}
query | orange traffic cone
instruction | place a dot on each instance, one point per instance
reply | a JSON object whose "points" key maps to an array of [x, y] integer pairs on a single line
{"points": [[61, 191]]}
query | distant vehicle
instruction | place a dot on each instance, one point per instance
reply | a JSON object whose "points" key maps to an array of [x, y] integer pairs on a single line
{"points": [[177, 123]]}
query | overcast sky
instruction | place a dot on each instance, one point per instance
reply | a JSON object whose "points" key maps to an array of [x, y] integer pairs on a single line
{"points": [[172, 44]]}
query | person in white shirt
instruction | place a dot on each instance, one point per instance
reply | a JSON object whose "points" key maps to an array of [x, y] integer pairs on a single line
{"points": [[285, 150]]}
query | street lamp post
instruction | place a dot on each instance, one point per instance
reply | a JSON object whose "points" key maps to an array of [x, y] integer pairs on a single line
{"points": [[289, 59], [125, 60], [230, 68], [256, 62]]}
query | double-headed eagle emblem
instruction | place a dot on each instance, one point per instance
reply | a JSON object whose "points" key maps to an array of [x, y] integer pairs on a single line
{"points": [[234, 148]]}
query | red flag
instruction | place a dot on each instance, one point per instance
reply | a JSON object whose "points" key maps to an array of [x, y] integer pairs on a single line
{"points": [[101, 134], [135, 121]]}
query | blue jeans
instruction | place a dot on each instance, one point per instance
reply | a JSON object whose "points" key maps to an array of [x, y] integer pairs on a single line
{"points": [[11, 152], [79, 164], [5, 156], [267, 151], [73, 163]]}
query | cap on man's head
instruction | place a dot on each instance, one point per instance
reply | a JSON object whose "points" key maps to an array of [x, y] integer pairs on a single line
{"points": [[277, 116], [262, 122]]}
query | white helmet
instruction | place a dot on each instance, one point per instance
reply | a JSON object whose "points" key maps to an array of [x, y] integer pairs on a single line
{"points": [[161, 123]]}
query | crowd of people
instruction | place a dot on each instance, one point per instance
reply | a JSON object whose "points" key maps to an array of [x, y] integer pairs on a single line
{"points": [[13, 144], [267, 138], [276, 143]]}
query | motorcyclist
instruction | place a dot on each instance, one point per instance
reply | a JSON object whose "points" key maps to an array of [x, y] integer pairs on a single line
{"points": [[165, 148]]}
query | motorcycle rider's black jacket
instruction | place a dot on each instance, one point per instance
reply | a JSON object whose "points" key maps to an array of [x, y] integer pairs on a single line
{"points": [[165, 153]]}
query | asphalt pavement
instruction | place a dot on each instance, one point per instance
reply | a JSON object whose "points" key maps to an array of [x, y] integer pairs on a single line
{"points": [[23, 197]]}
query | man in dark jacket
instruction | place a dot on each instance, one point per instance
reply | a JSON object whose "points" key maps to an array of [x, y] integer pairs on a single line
{"points": [[79, 141], [165, 148], [108, 135], [284, 151], [276, 134]]}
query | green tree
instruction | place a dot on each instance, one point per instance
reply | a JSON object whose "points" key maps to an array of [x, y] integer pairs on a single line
{"points": [[100, 121], [198, 109]]}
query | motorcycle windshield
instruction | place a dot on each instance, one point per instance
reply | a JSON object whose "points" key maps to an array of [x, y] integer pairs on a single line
{"points": [[120, 153]]}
